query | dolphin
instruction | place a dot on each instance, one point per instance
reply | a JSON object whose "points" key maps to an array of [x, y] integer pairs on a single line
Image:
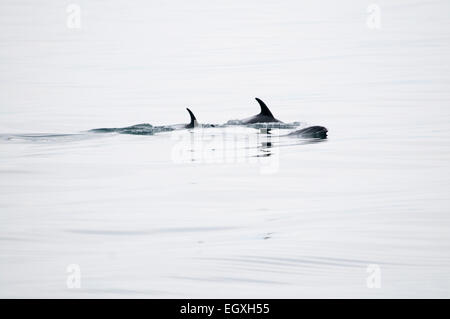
{"points": [[311, 132], [148, 129], [193, 122], [265, 116]]}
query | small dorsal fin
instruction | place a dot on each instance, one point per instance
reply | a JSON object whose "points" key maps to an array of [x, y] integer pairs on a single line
{"points": [[193, 122], [264, 109]]}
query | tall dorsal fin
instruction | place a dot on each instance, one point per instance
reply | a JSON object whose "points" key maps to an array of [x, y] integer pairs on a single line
{"points": [[264, 109], [193, 119]]}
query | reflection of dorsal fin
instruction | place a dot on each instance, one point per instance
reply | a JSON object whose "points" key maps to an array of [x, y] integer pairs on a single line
{"points": [[264, 109], [193, 119]]}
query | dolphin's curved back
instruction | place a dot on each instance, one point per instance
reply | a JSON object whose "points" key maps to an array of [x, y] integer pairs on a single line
{"points": [[193, 122], [311, 132]]}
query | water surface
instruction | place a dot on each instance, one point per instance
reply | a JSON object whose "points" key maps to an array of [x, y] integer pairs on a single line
{"points": [[224, 211]]}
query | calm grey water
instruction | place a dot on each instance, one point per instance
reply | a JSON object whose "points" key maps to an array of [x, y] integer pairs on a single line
{"points": [[228, 211]]}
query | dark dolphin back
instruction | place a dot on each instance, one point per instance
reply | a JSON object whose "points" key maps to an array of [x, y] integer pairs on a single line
{"points": [[311, 132]]}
